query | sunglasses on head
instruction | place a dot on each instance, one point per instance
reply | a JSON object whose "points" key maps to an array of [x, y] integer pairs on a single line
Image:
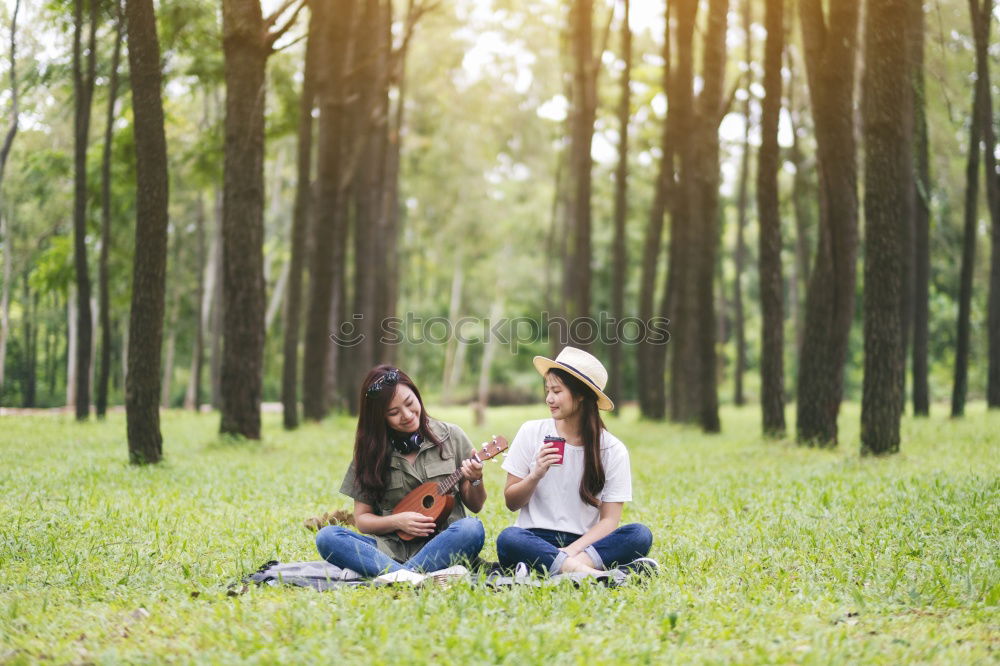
{"points": [[390, 378]]}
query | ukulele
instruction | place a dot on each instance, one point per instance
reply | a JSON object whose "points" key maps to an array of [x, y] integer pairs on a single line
{"points": [[436, 499]]}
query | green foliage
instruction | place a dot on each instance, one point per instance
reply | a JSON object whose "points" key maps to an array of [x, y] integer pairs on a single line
{"points": [[770, 552], [478, 173], [191, 39]]}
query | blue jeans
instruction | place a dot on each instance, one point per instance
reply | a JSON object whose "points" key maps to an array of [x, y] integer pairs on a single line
{"points": [[539, 548], [462, 540]]}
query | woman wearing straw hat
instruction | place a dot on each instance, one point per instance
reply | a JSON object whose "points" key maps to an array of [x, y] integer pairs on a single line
{"points": [[570, 504]]}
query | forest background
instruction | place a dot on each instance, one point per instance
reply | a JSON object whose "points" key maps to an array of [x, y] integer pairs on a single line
{"points": [[481, 162]]}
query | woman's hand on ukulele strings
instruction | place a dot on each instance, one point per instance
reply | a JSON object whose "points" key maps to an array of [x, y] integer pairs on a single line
{"points": [[547, 456], [415, 523], [472, 470]]}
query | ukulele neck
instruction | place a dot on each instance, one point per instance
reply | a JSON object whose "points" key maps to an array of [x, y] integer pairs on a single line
{"points": [[450, 484]]}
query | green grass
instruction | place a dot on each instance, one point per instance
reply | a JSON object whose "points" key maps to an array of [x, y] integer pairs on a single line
{"points": [[770, 552]]}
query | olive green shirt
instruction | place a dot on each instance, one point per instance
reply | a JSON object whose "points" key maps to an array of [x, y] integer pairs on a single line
{"points": [[404, 477]]}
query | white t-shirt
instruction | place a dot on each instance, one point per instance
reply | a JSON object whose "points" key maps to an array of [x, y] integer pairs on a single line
{"points": [[556, 503]]}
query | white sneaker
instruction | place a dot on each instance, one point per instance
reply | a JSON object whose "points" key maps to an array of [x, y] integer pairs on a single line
{"points": [[401, 576], [349, 575]]}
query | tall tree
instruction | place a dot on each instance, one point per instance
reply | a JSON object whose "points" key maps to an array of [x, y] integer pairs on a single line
{"points": [[993, 202], [104, 373], [142, 385], [300, 225], [694, 239], [248, 40], [829, 41], [369, 85], [192, 397], [29, 325], [742, 203], [920, 210], [619, 255], [979, 13], [391, 222], [887, 169], [684, 354], [772, 368], [803, 192], [651, 359], [84, 74], [6, 249], [576, 269], [326, 261]]}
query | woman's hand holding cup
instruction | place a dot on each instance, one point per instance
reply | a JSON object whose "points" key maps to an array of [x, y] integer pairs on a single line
{"points": [[551, 454]]}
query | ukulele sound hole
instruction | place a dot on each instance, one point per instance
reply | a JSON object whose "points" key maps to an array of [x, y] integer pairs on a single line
{"points": [[428, 501]]}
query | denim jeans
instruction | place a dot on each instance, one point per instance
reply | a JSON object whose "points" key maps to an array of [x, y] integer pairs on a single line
{"points": [[540, 549], [462, 540]]}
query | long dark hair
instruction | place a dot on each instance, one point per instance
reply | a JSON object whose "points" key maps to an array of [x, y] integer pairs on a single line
{"points": [[591, 427], [372, 445]]}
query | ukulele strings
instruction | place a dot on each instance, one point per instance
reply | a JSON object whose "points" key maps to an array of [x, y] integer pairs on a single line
{"points": [[448, 484]]}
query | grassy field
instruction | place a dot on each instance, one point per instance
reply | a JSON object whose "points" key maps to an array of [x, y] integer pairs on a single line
{"points": [[770, 553]]}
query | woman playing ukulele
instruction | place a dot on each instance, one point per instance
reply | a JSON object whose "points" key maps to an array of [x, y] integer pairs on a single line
{"points": [[397, 447], [570, 504]]}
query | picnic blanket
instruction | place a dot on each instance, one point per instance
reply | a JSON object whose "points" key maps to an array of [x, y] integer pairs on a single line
{"points": [[323, 576]]}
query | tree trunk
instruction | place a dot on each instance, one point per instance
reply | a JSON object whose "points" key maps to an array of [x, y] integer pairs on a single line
{"points": [[907, 210], [246, 51], [829, 44], [486, 366], [696, 220], [887, 168], [300, 225], [93, 345], [772, 368], [326, 260], [803, 194], [83, 91], [977, 131], [28, 325], [650, 358], [142, 386], [708, 176], [104, 374], [382, 58], [393, 226], [993, 203], [15, 112], [51, 362], [192, 397], [741, 218], [453, 342], [124, 376], [171, 346], [576, 270], [366, 84], [6, 255], [921, 214], [685, 379], [71, 343], [619, 254], [218, 305]]}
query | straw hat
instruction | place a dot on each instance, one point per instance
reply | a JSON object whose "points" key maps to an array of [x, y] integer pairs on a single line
{"points": [[584, 367]]}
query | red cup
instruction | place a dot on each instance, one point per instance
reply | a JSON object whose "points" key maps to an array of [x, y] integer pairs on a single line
{"points": [[560, 444]]}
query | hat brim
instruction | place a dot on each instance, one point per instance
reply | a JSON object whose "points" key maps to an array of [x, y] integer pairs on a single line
{"points": [[543, 365]]}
